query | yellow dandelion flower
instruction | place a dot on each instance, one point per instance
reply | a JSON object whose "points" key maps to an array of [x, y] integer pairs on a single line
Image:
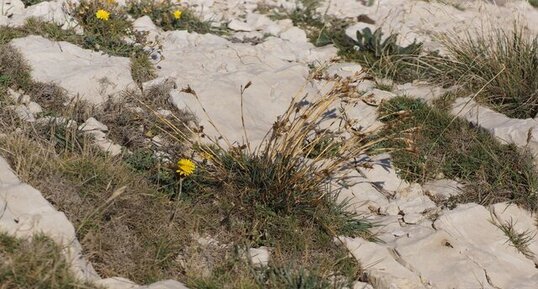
{"points": [[206, 156], [185, 167], [102, 15], [177, 14]]}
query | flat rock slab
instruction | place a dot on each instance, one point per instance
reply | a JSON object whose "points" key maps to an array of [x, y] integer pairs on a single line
{"points": [[381, 173], [383, 271], [521, 132], [475, 238], [92, 76], [216, 69], [522, 221]]}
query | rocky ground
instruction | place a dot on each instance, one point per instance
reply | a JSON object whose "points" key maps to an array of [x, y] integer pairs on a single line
{"points": [[237, 80]]}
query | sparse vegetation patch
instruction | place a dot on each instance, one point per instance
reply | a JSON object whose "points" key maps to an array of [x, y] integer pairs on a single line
{"points": [[434, 143], [35, 263]]}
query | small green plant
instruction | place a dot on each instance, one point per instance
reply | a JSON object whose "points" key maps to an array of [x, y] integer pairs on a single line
{"points": [[520, 240], [533, 3], [35, 263], [106, 26], [142, 69], [275, 278], [430, 142], [374, 44], [383, 56]]}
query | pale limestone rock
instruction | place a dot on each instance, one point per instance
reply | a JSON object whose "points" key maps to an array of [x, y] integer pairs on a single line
{"points": [[382, 270], [92, 124], [34, 108], [440, 260], [382, 173], [482, 242], [413, 218], [522, 221], [363, 198], [382, 95], [89, 75], [238, 25], [117, 283], [361, 285], [259, 257], [11, 7], [365, 116], [277, 69], [167, 284], [423, 91], [146, 25], [22, 112], [294, 34], [418, 205], [365, 85], [443, 188], [521, 132], [51, 11], [410, 192], [344, 70]]}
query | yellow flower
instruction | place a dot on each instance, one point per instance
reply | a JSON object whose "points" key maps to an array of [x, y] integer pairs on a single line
{"points": [[102, 14], [185, 167], [177, 14]]}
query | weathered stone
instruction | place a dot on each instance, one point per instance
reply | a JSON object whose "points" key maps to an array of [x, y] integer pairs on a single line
{"points": [[92, 124], [34, 108], [382, 173], [89, 75], [237, 25], [382, 269], [443, 188], [117, 283], [259, 257]]}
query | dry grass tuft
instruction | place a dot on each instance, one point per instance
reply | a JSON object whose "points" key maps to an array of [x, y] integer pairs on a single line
{"points": [[502, 67], [35, 263]]}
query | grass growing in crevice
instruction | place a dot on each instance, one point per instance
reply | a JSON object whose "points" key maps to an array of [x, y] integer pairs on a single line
{"points": [[519, 240], [533, 3], [142, 69], [162, 14], [501, 66], [434, 142], [35, 263]]}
